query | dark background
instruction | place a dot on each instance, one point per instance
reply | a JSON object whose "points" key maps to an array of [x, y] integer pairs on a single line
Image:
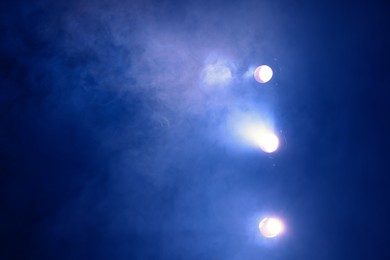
{"points": [[113, 147]]}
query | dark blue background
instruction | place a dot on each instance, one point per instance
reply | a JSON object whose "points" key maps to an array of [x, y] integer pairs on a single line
{"points": [[111, 148]]}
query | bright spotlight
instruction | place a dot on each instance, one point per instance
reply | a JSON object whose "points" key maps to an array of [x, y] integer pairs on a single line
{"points": [[268, 142], [271, 227], [262, 137], [255, 131], [263, 74]]}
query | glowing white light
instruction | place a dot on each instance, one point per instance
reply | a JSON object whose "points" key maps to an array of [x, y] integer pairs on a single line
{"points": [[263, 74], [256, 131], [271, 227], [263, 138], [268, 142]]}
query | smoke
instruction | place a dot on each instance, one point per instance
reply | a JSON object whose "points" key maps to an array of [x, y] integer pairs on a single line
{"points": [[132, 104]]}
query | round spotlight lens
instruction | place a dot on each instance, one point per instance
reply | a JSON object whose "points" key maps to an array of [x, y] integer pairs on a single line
{"points": [[271, 227], [263, 74], [268, 142]]}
